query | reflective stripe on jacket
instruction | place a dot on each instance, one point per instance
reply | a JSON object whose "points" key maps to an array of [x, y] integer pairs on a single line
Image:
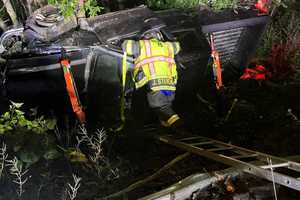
{"points": [[154, 63]]}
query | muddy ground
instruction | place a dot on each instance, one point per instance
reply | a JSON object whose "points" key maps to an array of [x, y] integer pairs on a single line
{"points": [[265, 118]]}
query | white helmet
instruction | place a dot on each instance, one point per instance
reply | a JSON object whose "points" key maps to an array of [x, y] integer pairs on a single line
{"points": [[150, 33]]}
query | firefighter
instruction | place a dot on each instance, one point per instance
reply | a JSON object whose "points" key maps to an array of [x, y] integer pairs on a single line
{"points": [[155, 70]]}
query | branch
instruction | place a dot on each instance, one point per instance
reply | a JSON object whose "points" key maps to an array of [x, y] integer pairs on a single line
{"points": [[80, 9], [149, 178], [73, 190], [29, 7], [3, 157], [3, 25], [11, 12]]}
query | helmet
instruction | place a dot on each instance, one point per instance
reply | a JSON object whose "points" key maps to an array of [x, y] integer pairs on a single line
{"points": [[48, 16], [150, 34], [151, 29]]}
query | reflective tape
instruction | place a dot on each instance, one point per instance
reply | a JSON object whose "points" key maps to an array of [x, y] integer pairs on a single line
{"points": [[170, 121], [173, 119], [149, 54], [155, 59]]}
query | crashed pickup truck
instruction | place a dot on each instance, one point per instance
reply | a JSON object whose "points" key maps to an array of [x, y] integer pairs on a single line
{"points": [[32, 72]]}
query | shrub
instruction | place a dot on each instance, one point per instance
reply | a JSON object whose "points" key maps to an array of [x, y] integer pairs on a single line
{"points": [[281, 45], [29, 139], [91, 7]]}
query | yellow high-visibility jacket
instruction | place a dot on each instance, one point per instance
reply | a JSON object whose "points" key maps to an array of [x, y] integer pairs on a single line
{"points": [[154, 63]]}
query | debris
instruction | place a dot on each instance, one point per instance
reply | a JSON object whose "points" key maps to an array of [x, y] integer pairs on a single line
{"points": [[207, 103], [149, 178], [263, 192], [292, 115], [75, 155], [262, 6], [220, 177], [231, 109], [229, 185], [241, 196], [258, 73]]}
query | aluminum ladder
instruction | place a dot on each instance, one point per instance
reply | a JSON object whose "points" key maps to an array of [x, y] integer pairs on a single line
{"points": [[252, 162]]}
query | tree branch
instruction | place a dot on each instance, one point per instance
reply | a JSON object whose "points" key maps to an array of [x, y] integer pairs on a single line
{"points": [[11, 12], [3, 25], [149, 178]]}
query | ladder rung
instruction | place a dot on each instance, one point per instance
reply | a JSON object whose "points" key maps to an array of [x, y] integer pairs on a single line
{"points": [[219, 149], [244, 156], [294, 166], [191, 138], [286, 164], [202, 143]]}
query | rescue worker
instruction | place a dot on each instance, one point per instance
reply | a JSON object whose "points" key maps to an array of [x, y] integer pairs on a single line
{"points": [[155, 70]]}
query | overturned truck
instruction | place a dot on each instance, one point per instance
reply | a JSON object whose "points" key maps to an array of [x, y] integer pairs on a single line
{"points": [[32, 72]]}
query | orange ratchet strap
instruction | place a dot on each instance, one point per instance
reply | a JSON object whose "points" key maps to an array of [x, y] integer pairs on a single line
{"points": [[216, 64], [72, 91]]}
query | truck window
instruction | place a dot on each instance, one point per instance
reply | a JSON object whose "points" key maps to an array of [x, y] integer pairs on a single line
{"points": [[194, 45], [189, 41]]}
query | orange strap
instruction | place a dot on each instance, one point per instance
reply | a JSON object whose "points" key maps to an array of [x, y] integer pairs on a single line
{"points": [[218, 68], [72, 92], [216, 64]]}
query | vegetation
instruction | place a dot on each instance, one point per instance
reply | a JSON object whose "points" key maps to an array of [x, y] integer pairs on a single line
{"points": [[29, 139], [280, 46], [91, 7], [14, 122], [184, 4], [67, 7]]}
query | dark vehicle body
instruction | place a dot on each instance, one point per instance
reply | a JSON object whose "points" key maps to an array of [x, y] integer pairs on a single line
{"points": [[35, 77]]}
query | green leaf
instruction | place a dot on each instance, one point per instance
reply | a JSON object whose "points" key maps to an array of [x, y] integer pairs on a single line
{"points": [[75, 155], [2, 130], [29, 125], [22, 122], [6, 116], [50, 124], [34, 124], [92, 8], [51, 154], [37, 130], [19, 112], [16, 105], [13, 122], [7, 128], [28, 157]]}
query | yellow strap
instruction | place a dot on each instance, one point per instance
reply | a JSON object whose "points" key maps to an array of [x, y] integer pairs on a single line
{"points": [[129, 47], [173, 119], [122, 108], [178, 48], [170, 121]]}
